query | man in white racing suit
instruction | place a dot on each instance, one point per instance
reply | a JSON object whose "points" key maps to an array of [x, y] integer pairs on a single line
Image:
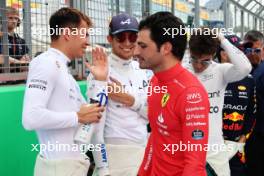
{"points": [[53, 103], [123, 125], [215, 77]]}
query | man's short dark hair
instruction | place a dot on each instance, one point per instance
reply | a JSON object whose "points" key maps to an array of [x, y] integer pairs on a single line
{"points": [[203, 42], [66, 17], [254, 36], [158, 23]]}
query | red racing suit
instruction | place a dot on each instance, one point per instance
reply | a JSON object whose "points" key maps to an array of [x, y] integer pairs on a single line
{"points": [[177, 118]]}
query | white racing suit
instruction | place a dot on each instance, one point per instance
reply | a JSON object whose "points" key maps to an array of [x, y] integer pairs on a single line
{"points": [[51, 100], [123, 129], [215, 79]]}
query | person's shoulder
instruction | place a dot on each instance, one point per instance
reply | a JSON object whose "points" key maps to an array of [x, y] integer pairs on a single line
{"points": [[248, 81], [261, 67], [189, 87], [187, 79], [259, 71], [45, 61], [249, 77], [18, 37]]}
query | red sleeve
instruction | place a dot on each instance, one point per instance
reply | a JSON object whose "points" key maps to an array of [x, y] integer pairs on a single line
{"points": [[146, 165], [194, 111]]}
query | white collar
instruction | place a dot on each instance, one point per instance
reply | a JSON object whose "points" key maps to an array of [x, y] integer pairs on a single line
{"points": [[116, 61], [62, 57]]}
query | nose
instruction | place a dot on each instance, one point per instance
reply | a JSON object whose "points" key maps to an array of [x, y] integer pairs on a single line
{"points": [[127, 42], [198, 66]]}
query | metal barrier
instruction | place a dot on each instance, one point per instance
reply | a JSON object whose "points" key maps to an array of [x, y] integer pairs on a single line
{"points": [[34, 19]]}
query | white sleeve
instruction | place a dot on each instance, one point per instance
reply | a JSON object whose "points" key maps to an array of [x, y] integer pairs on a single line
{"points": [[240, 66], [140, 105], [95, 88], [40, 84]]}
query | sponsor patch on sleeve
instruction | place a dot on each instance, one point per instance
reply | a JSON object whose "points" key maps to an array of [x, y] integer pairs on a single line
{"points": [[197, 134]]}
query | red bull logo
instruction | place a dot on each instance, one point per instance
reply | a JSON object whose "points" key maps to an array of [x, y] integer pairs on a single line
{"points": [[236, 118], [233, 117]]}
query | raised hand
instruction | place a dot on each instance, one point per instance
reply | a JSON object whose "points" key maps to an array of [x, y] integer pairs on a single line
{"points": [[99, 66]]}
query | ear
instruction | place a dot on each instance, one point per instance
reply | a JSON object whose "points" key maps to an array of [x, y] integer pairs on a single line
{"points": [[66, 34], [110, 39], [166, 48]]}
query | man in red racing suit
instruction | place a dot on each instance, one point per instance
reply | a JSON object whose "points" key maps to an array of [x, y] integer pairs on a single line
{"points": [[178, 106]]}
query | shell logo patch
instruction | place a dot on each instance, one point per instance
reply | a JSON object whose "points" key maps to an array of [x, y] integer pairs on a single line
{"points": [[165, 99], [242, 88]]}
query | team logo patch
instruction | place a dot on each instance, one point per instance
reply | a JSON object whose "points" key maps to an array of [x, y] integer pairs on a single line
{"points": [[197, 134], [194, 98], [242, 88], [165, 99], [235, 116]]}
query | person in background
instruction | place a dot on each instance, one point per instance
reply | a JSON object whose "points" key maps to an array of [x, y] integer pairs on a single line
{"points": [[18, 50], [253, 46], [238, 111], [255, 144], [214, 76]]}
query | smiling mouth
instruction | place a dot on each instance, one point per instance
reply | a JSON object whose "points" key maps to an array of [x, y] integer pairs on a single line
{"points": [[127, 49]]}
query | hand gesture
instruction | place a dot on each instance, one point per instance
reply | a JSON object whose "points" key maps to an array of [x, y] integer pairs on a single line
{"points": [[99, 67]]}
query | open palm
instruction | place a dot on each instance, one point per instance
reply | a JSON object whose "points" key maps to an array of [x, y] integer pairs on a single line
{"points": [[99, 66]]}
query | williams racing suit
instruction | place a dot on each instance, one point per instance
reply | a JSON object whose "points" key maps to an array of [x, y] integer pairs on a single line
{"points": [[51, 102]]}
